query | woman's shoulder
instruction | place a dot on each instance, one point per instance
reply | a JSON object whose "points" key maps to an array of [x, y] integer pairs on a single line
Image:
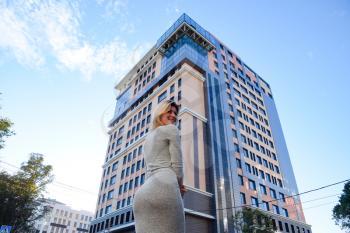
{"points": [[169, 129]]}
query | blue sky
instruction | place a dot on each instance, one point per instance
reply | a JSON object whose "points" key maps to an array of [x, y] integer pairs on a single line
{"points": [[59, 62]]}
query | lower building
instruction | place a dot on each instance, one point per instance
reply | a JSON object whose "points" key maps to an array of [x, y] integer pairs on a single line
{"points": [[63, 219]]}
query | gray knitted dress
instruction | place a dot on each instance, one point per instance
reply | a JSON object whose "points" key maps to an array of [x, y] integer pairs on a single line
{"points": [[158, 206]]}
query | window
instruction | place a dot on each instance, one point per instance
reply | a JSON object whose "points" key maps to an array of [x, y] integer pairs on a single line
{"points": [[255, 171], [243, 138], [265, 206], [120, 189], [120, 140], [162, 96], [128, 202], [256, 145], [239, 164], [110, 194], [142, 179], [248, 168], [240, 179], [273, 193], [252, 156], [108, 209], [234, 132], [125, 187], [287, 226], [121, 130], [179, 96], [262, 174], [172, 88], [242, 197], [123, 204], [280, 183], [245, 152], [277, 169], [282, 197], [127, 171], [275, 209], [114, 166], [255, 201], [140, 150], [265, 163], [136, 181], [285, 212], [268, 176], [179, 82], [252, 185], [113, 179], [236, 148], [131, 182], [263, 189], [138, 165]]}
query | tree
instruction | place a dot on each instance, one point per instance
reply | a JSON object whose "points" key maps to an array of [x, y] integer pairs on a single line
{"points": [[5, 129], [21, 194], [341, 212], [250, 220]]}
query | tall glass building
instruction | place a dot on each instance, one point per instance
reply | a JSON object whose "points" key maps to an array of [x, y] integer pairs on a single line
{"points": [[231, 137]]}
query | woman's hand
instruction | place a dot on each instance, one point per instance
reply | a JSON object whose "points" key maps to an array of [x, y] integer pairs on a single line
{"points": [[182, 189]]}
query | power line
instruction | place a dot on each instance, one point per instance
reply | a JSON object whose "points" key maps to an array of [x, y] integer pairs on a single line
{"points": [[276, 199], [232, 207], [312, 207], [320, 198]]}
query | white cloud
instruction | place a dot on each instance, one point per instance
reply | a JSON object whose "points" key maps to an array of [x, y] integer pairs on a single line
{"points": [[118, 10], [16, 37], [114, 6], [35, 30]]}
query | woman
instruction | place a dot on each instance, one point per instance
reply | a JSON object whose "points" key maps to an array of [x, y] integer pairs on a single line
{"points": [[158, 206]]}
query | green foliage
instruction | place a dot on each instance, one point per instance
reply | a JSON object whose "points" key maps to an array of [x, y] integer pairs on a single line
{"points": [[250, 220], [5, 130], [21, 194], [341, 212]]}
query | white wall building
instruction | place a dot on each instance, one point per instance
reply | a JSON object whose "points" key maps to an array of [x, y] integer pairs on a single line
{"points": [[63, 219]]}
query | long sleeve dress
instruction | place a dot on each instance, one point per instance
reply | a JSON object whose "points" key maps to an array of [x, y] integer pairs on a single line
{"points": [[158, 205]]}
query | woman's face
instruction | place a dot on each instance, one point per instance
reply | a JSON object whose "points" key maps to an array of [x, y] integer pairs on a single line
{"points": [[169, 117]]}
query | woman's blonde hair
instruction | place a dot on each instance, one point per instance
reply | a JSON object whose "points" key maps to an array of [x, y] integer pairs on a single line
{"points": [[161, 109]]}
